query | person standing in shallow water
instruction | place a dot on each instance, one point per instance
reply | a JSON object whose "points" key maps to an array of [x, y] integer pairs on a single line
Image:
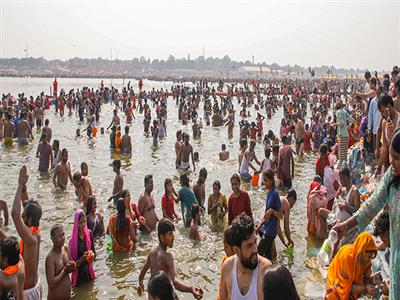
{"points": [[81, 247], [146, 204], [62, 172], [199, 188], [159, 259], [44, 154], [58, 266], [27, 225], [239, 200], [187, 199], [186, 151], [118, 181]]}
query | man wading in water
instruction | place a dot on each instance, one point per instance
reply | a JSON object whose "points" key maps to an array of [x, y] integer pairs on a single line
{"points": [[159, 259], [27, 225]]}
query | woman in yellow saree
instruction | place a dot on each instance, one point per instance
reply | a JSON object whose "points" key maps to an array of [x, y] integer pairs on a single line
{"points": [[350, 271]]}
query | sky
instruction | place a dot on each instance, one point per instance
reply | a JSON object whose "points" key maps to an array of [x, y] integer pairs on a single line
{"points": [[348, 34]]}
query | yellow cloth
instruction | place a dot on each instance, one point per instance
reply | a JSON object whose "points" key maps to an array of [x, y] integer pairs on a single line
{"points": [[347, 268]]}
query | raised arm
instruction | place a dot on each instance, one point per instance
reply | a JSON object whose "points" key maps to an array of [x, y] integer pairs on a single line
{"points": [[23, 231]]}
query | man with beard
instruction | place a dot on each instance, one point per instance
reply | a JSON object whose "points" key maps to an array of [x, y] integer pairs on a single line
{"points": [[242, 273]]}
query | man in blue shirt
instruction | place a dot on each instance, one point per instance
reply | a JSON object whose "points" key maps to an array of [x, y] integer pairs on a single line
{"points": [[269, 224]]}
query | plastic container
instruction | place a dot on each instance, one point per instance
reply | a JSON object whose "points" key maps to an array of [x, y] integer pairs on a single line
{"points": [[254, 180], [325, 252]]}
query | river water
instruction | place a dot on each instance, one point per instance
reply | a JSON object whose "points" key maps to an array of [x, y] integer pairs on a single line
{"points": [[117, 274]]}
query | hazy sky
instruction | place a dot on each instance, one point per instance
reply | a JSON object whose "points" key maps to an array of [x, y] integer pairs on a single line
{"points": [[309, 33]]}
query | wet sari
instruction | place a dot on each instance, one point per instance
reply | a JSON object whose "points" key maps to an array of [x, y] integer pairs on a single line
{"points": [[347, 268]]}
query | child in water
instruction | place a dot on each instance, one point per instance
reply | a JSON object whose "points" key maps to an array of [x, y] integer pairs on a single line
{"points": [[196, 156], [194, 226], [78, 134]]}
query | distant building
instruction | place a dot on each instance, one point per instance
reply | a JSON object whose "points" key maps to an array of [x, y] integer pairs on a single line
{"points": [[259, 70]]}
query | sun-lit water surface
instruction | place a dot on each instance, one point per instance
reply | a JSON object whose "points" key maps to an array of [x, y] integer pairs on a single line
{"points": [[117, 274]]}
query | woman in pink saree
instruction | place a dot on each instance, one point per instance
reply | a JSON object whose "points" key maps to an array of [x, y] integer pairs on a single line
{"points": [[82, 250], [316, 199]]}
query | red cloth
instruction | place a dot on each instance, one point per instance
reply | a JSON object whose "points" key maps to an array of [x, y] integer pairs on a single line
{"points": [[239, 204], [135, 211], [168, 205], [321, 166], [307, 141]]}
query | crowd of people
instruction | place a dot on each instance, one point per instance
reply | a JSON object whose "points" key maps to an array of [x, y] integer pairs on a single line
{"points": [[352, 124]]}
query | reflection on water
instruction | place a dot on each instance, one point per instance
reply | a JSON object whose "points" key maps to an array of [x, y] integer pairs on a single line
{"points": [[195, 263]]}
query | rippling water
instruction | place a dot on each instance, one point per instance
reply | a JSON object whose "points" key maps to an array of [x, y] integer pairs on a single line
{"points": [[195, 263]]}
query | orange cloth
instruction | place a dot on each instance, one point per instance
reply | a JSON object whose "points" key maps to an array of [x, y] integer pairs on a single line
{"points": [[34, 230], [94, 131], [121, 241], [11, 269], [118, 141], [347, 268]]}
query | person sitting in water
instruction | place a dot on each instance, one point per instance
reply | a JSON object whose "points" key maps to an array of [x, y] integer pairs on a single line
{"points": [[122, 229], [223, 154], [82, 251], [350, 271]]}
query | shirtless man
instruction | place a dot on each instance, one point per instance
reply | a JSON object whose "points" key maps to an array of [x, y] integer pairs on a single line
{"points": [[299, 135], [27, 225], [39, 115], [9, 129], [58, 266], [146, 205], [83, 189], [115, 120], [186, 150], [46, 129], [178, 145], [238, 271], [62, 171], [199, 188], [118, 181], [223, 154], [126, 144], [286, 205], [24, 130], [159, 259], [12, 274]]}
